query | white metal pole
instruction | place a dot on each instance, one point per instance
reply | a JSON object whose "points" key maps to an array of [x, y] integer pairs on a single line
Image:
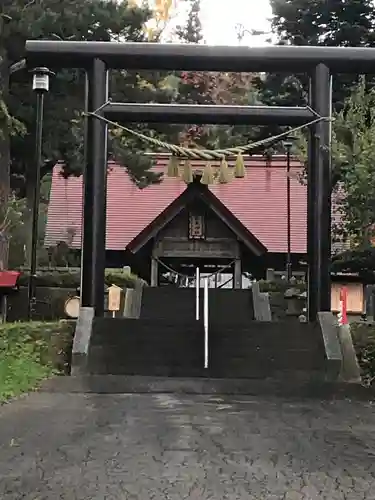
{"points": [[205, 322], [197, 283]]}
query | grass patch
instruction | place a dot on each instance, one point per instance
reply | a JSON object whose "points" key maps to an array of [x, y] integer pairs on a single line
{"points": [[31, 352]]}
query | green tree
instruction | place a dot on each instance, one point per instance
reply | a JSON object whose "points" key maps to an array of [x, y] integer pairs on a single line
{"points": [[163, 11], [193, 87], [324, 22], [353, 151], [88, 20], [63, 133], [317, 22], [213, 88], [353, 169]]}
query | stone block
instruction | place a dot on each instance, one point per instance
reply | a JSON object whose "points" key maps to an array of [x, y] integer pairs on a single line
{"points": [[81, 341], [330, 333]]}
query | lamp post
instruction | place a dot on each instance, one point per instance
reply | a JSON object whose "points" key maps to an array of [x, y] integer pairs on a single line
{"points": [[288, 146], [40, 87]]}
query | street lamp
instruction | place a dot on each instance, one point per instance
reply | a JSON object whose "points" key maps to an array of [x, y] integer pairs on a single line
{"points": [[40, 87], [288, 146]]}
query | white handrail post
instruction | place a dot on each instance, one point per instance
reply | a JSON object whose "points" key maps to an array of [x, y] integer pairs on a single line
{"points": [[205, 322], [197, 283]]}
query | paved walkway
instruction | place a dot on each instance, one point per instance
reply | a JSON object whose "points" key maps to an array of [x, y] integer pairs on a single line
{"points": [[151, 447]]}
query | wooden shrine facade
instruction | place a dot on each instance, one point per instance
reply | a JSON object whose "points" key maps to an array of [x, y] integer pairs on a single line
{"points": [[242, 223], [197, 230]]}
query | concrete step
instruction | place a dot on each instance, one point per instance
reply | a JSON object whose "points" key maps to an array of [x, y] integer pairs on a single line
{"points": [[264, 365], [171, 302], [114, 361], [148, 369], [113, 330], [241, 340], [286, 386], [147, 356], [165, 347]]}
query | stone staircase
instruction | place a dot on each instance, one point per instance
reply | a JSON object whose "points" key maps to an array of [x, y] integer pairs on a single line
{"points": [[261, 350], [179, 303], [163, 347], [168, 341]]}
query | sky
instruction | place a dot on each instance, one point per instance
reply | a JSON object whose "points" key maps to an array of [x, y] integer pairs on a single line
{"points": [[219, 24]]}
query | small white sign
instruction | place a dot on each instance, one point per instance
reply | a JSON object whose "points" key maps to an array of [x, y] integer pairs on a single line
{"points": [[114, 298]]}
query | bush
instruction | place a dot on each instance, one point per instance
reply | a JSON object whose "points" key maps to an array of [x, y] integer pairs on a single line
{"points": [[49, 304], [359, 261], [71, 278], [31, 352], [280, 286], [363, 335]]}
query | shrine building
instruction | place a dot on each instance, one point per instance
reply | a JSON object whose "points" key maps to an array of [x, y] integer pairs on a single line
{"points": [[171, 228]]}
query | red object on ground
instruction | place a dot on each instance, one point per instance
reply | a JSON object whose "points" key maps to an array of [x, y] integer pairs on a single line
{"points": [[8, 279]]}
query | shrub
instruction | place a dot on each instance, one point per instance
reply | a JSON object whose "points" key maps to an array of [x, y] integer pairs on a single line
{"points": [[359, 261], [54, 287], [49, 304], [363, 335], [279, 286], [71, 278], [31, 352]]}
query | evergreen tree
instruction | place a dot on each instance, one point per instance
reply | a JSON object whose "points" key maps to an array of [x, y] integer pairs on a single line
{"points": [[101, 20], [192, 31], [353, 159], [89, 20], [194, 87], [213, 88], [347, 23]]}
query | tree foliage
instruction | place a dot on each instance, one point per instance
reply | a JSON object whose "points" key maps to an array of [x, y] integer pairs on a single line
{"points": [[163, 11], [347, 23], [359, 261], [324, 22], [212, 88], [88, 20], [353, 151], [100, 20], [353, 168]]}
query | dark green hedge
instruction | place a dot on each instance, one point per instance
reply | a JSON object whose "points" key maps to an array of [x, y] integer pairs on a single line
{"points": [[54, 287], [49, 304], [279, 286], [71, 278], [363, 335], [359, 261]]}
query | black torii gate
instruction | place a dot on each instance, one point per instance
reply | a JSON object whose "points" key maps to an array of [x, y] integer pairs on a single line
{"points": [[97, 57]]}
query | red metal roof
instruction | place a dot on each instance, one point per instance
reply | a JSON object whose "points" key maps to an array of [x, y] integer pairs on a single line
{"points": [[8, 279], [258, 201]]}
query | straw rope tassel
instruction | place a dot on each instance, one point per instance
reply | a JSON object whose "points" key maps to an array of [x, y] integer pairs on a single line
{"points": [[208, 175], [224, 176], [187, 174], [173, 165], [205, 154], [239, 168]]}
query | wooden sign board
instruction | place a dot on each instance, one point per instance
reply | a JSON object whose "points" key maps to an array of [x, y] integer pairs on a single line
{"points": [[355, 297], [114, 298]]}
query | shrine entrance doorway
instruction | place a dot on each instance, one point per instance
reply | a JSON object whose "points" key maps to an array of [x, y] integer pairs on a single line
{"points": [[197, 231]]}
